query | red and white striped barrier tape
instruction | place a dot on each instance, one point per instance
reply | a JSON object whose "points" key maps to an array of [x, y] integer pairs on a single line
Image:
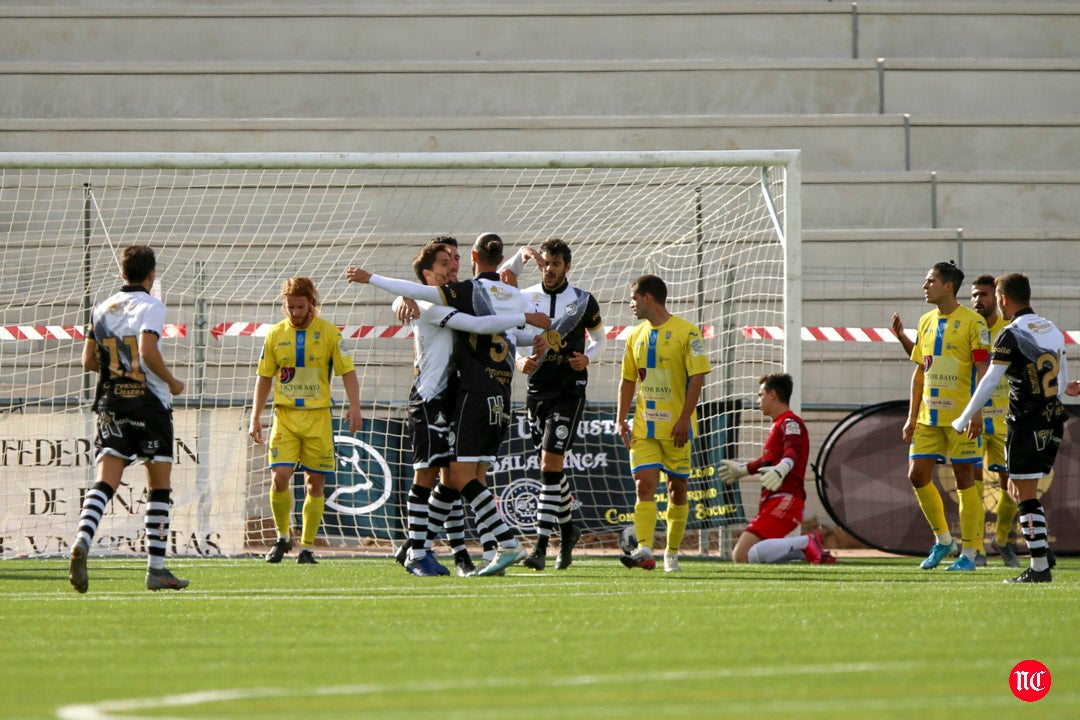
{"points": [[852, 334], [382, 332], [404, 332], [66, 332]]}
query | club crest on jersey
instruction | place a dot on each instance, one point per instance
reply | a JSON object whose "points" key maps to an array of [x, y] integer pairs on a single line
{"points": [[571, 308], [641, 374], [287, 374], [499, 293], [555, 340], [927, 361]]}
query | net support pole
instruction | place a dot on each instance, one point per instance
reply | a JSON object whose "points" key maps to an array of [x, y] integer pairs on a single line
{"points": [[792, 241], [202, 415]]}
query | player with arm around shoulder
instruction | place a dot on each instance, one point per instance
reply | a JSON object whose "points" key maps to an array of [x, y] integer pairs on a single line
{"points": [[485, 367], [782, 469], [431, 412], [133, 404], [664, 366], [301, 353]]}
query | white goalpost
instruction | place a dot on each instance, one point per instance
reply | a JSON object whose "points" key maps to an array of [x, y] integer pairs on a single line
{"points": [[721, 228]]}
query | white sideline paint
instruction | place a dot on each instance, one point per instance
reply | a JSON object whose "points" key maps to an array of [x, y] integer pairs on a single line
{"points": [[104, 710]]}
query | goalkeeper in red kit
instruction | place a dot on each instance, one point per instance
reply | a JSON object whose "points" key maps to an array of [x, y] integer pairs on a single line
{"points": [[782, 469]]}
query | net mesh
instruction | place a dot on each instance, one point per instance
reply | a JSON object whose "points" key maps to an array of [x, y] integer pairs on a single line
{"points": [[225, 239]]}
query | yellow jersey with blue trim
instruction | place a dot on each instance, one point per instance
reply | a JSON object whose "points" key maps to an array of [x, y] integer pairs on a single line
{"points": [[661, 359], [948, 346], [997, 407], [303, 361]]}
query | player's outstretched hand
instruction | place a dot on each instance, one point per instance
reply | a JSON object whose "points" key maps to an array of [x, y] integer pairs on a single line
{"points": [[1073, 388], [357, 275], [731, 471]]}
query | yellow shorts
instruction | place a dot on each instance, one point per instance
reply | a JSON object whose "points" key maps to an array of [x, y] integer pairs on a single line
{"points": [[662, 454], [943, 443], [303, 438], [993, 458]]}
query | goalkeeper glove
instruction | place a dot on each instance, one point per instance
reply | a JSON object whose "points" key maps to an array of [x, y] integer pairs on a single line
{"points": [[771, 477], [731, 471]]}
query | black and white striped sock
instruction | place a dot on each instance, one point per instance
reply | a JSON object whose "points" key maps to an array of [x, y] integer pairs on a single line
{"points": [[417, 508], [1033, 525], [156, 522], [486, 513], [93, 507]]}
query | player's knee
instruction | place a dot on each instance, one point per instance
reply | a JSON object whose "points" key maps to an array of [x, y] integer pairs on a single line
{"points": [[740, 555]]}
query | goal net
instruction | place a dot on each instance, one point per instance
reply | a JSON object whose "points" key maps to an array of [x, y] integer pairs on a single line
{"points": [[721, 228]]}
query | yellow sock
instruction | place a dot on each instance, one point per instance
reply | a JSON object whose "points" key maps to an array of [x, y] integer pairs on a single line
{"points": [[930, 501], [1006, 513], [645, 522], [281, 507], [676, 526], [972, 519], [312, 514]]}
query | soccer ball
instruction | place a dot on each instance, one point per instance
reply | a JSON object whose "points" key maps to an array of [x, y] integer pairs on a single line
{"points": [[628, 540]]}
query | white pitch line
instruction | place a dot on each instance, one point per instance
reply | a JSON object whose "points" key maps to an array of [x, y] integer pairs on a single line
{"points": [[106, 710]]}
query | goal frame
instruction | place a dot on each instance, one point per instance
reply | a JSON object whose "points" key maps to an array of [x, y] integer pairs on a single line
{"points": [[787, 227]]}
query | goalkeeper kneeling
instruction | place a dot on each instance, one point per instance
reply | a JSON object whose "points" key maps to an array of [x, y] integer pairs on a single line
{"points": [[781, 468]]}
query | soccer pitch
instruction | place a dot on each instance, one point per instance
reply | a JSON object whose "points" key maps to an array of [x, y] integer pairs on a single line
{"points": [[359, 638]]}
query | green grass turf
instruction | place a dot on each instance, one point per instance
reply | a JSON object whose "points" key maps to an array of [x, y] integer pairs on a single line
{"points": [[348, 638]]}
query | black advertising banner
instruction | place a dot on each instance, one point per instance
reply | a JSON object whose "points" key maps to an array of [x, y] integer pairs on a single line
{"points": [[862, 482], [366, 498]]}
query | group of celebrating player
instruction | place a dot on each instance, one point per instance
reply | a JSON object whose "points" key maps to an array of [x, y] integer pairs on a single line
{"points": [[469, 338]]}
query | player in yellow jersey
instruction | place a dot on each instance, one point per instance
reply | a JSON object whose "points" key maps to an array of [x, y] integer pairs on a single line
{"points": [[665, 364], [951, 351], [984, 302], [303, 352]]}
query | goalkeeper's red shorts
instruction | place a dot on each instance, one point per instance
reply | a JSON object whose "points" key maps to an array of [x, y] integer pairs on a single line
{"points": [[779, 514]]}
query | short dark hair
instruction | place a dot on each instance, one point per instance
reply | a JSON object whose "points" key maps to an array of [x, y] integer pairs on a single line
{"points": [[651, 285], [136, 263], [781, 383], [556, 246], [443, 240], [984, 280], [1016, 287], [490, 248], [425, 259], [948, 272]]}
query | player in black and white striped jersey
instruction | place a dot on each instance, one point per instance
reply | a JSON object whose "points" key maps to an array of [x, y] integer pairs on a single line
{"points": [[557, 382], [484, 366], [133, 403], [1030, 353]]}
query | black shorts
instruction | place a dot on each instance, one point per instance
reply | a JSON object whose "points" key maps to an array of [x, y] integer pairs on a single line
{"points": [[430, 430], [1031, 446], [554, 422], [480, 425], [147, 436]]}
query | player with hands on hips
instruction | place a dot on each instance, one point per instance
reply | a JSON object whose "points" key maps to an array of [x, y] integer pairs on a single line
{"points": [[781, 468]]}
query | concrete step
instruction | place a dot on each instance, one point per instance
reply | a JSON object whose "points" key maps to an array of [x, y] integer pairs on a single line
{"points": [[241, 30], [977, 200], [475, 89], [863, 142], [481, 89]]}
